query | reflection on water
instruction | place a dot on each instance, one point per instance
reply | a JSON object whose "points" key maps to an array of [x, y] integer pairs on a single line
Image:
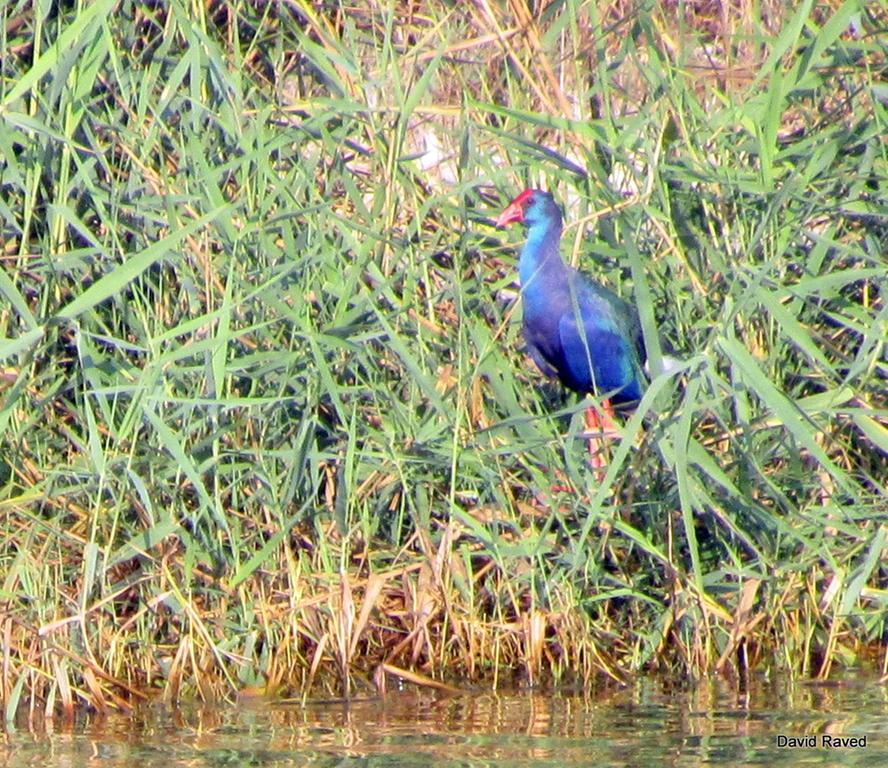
{"points": [[647, 724]]}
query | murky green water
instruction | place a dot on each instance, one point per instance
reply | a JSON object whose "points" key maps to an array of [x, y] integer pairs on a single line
{"points": [[645, 725]]}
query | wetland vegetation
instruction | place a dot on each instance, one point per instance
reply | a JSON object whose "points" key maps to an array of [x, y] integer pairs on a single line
{"points": [[266, 423]]}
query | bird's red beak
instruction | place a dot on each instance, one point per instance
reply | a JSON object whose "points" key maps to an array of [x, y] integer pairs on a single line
{"points": [[514, 211]]}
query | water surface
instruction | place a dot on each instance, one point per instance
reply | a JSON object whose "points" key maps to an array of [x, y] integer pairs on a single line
{"points": [[648, 724]]}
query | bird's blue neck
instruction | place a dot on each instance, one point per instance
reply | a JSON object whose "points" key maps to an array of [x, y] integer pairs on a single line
{"points": [[540, 255]]}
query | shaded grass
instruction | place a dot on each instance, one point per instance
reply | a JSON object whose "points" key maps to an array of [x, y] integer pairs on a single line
{"points": [[266, 423]]}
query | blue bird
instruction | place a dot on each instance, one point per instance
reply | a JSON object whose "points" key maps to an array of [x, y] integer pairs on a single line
{"points": [[576, 329]]}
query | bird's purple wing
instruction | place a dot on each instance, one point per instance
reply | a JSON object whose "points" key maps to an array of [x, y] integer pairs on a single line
{"points": [[598, 357]]}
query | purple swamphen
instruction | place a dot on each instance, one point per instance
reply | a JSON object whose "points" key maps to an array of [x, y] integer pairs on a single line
{"points": [[576, 329]]}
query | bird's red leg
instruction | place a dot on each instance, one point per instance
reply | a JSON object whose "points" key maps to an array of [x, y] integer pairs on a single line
{"points": [[601, 427]]}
